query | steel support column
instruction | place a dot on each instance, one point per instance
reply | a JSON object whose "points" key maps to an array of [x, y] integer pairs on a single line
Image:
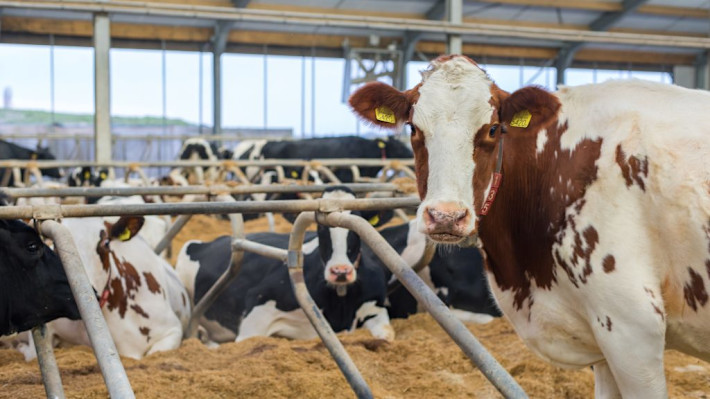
{"points": [[455, 11], [219, 42], [102, 88]]}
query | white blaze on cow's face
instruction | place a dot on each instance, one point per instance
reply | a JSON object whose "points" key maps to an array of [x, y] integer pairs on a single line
{"points": [[339, 249], [455, 102]]}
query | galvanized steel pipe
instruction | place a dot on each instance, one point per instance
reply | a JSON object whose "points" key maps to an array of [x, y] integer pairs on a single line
{"points": [[51, 378], [60, 211], [187, 190], [179, 223], [105, 350], [488, 365]]}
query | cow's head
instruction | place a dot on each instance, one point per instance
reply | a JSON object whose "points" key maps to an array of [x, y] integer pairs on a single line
{"points": [[87, 177], [339, 247], [34, 288], [455, 115]]}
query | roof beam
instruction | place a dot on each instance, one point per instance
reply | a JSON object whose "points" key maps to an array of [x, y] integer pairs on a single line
{"points": [[607, 6], [600, 24], [241, 3], [609, 19]]}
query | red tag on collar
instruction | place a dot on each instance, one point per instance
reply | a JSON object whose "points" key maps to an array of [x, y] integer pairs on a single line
{"points": [[104, 298], [497, 178]]}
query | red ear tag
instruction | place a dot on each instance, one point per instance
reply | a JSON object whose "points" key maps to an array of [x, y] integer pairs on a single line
{"points": [[497, 179]]}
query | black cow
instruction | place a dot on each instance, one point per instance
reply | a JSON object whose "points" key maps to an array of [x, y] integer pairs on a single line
{"points": [[328, 148], [33, 288], [456, 275], [260, 302], [13, 151]]}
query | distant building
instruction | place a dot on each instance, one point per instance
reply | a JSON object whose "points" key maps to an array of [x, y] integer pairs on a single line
{"points": [[7, 98]]}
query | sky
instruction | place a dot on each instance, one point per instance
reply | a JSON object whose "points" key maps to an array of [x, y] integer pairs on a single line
{"points": [[249, 100]]}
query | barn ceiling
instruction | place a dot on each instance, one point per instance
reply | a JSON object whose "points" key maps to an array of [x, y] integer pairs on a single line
{"points": [[639, 34]]}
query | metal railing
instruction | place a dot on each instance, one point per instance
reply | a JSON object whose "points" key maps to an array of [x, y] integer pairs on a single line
{"points": [[325, 211]]}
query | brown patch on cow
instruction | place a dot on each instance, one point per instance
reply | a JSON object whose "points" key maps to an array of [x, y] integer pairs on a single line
{"points": [[584, 245], [609, 263], [649, 292], [523, 207], [131, 223], [694, 291], [136, 308], [102, 249], [117, 297], [145, 331], [421, 160], [152, 283], [633, 169], [657, 310]]}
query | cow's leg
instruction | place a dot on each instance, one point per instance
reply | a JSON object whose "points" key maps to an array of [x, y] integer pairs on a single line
{"points": [[266, 320], [375, 319], [170, 340], [604, 382], [633, 342]]}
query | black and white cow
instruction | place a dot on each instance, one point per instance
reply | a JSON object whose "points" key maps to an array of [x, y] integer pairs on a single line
{"points": [[199, 149], [327, 148], [260, 302], [33, 288], [456, 275], [13, 151]]}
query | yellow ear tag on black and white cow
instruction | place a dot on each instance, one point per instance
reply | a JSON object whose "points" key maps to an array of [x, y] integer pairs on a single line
{"points": [[126, 235], [381, 144], [103, 175], [87, 175], [374, 220], [385, 114], [521, 119], [294, 174]]}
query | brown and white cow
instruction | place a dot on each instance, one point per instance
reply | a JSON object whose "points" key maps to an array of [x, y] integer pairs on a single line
{"points": [[591, 204]]}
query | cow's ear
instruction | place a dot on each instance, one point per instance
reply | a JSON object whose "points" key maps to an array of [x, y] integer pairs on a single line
{"points": [[377, 218], [530, 108], [127, 227], [382, 104]]}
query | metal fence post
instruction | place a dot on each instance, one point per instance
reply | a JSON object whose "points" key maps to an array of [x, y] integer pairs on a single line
{"points": [[51, 378], [105, 350]]}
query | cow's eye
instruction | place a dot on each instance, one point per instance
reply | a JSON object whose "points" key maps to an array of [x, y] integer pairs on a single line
{"points": [[492, 132], [32, 246], [412, 130]]}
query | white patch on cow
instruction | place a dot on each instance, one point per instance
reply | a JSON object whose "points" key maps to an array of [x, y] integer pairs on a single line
{"points": [[256, 146], [266, 320], [416, 244], [541, 141], [471, 317], [217, 332], [442, 291], [443, 121], [310, 246], [376, 320], [187, 269]]}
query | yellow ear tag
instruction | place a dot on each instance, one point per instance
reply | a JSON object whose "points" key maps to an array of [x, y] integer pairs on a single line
{"points": [[374, 220], [103, 175], [125, 236], [294, 174], [381, 144], [385, 114], [87, 175], [521, 119]]}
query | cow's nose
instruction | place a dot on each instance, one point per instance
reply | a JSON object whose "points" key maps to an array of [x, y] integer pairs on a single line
{"points": [[340, 273], [446, 217]]}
